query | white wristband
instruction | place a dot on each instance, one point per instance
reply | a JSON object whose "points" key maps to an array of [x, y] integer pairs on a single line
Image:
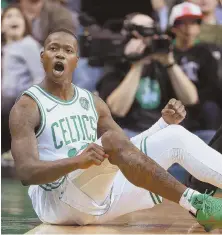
{"points": [[162, 124]]}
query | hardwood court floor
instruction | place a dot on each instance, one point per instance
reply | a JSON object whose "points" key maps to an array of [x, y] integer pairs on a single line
{"points": [[167, 218]]}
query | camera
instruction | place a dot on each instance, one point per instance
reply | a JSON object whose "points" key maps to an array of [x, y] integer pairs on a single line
{"points": [[103, 45]]}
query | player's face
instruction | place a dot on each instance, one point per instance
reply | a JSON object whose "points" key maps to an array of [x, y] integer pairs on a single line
{"points": [[13, 24], [59, 57]]}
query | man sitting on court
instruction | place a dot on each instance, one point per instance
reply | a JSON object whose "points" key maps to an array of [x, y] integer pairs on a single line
{"points": [[54, 127]]}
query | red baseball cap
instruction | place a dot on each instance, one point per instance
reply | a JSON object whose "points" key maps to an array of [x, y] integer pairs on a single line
{"points": [[186, 10]]}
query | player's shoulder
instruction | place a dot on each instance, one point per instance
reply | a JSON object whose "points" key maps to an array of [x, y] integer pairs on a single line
{"points": [[101, 106], [86, 92], [25, 102], [25, 109], [97, 100]]}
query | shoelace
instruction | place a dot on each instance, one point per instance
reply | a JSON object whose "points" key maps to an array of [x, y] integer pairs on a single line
{"points": [[205, 203]]}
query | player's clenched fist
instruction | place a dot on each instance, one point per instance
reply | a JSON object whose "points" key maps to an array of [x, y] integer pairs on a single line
{"points": [[174, 112], [92, 155]]}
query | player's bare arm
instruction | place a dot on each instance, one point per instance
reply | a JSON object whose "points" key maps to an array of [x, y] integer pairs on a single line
{"points": [[137, 167], [105, 122], [173, 113], [24, 120]]}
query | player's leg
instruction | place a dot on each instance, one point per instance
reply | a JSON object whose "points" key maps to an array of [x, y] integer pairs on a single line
{"points": [[144, 172], [175, 144], [76, 199], [127, 201], [192, 182], [127, 198], [51, 208]]}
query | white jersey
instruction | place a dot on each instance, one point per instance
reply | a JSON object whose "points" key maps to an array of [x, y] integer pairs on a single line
{"points": [[66, 127], [83, 196]]}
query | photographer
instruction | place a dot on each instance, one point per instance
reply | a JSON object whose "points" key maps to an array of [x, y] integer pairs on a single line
{"points": [[136, 92], [202, 64]]}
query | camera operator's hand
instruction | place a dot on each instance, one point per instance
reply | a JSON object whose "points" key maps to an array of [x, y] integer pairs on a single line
{"points": [[163, 52], [134, 46], [164, 59]]}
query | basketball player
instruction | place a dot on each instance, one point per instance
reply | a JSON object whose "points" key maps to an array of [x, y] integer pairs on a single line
{"points": [[54, 127]]}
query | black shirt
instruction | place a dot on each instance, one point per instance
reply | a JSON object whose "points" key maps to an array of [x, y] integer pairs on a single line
{"points": [[153, 93], [202, 64]]}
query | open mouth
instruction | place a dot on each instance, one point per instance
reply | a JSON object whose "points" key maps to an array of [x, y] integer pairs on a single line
{"points": [[59, 67]]}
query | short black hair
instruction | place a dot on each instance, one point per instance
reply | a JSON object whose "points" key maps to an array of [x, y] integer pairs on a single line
{"points": [[62, 30]]}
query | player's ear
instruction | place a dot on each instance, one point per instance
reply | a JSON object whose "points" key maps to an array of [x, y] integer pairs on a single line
{"points": [[41, 55]]}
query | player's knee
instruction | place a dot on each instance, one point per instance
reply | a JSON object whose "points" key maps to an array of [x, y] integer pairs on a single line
{"points": [[107, 136], [113, 144], [111, 139]]}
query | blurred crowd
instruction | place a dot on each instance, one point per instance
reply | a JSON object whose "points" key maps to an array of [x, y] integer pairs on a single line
{"points": [[137, 86]]}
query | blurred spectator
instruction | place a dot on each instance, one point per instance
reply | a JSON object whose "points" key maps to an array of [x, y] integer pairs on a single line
{"points": [[211, 34], [21, 66], [45, 16], [136, 92], [211, 28], [209, 10], [74, 12], [219, 12], [74, 5], [162, 11], [201, 66]]}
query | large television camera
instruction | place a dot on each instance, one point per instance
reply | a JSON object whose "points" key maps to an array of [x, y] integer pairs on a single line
{"points": [[103, 45]]}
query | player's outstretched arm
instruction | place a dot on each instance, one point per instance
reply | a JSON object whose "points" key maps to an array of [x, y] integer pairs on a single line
{"points": [[24, 119], [173, 113]]}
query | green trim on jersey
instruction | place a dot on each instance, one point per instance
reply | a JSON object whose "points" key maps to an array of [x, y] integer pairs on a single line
{"points": [[56, 99], [156, 198], [53, 185], [42, 113], [92, 103]]}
